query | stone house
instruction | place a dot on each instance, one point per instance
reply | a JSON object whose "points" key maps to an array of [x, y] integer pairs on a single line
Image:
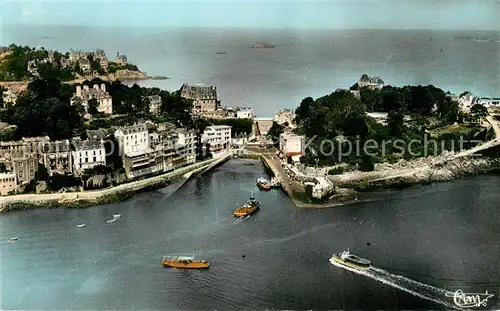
{"points": [[204, 97], [104, 99]]}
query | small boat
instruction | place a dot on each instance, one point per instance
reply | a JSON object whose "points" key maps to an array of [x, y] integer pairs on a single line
{"points": [[263, 184], [81, 225], [117, 215], [248, 208], [13, 239], [350, 260], [110, 221], [184, 262]]}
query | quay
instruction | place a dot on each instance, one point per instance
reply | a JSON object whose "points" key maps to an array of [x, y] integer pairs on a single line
{"points": [[109, 195]]}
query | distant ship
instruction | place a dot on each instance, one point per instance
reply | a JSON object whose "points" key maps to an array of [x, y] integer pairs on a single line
{"points": [[250, 207], [350, 260]]}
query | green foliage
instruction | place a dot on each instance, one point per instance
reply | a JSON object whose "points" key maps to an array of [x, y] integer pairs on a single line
{"points": [[92, 107], [274, 132], [14, 65], [3, 169], [42, 174], [114, 67], [44, 109], [57, 181], [478, 111]]}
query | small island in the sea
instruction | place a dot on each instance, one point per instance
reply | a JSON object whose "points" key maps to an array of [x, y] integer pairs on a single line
{"points": [[262, 45]]}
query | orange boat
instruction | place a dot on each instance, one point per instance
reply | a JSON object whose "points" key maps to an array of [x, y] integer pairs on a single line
{"points": [[184, 262], [248, 208]]}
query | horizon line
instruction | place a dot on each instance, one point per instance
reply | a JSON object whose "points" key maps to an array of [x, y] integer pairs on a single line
{"points": [[242, 27]]}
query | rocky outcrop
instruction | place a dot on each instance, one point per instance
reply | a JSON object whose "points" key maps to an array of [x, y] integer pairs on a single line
{"points": [[423, 171]]}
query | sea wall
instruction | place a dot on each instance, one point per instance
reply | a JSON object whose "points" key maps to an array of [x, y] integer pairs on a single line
{"points": [[103, 196]]}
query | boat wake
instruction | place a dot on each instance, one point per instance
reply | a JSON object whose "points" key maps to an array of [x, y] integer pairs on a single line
{"points": [[421, 290], [240, 219]]}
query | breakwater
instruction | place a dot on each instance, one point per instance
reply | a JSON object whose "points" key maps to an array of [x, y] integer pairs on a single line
{"points": [[105, 196]]}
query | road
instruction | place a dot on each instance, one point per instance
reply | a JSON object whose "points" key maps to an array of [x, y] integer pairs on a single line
{"points": [[496, 127]]}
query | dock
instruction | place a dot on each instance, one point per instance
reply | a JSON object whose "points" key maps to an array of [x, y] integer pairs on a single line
{"points": [[294, 189]]}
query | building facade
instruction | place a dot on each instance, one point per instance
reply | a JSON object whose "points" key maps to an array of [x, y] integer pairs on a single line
{"points": [[132, 138], [56, 157], [291, 144], [285, 116], [154, 102], [9, 98], [186, 144], [217, 136], [8, 184], [104, 100], [204, 97], [87, 154]]}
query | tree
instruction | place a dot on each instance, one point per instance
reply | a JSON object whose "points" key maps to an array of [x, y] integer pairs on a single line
{"points": [[274, 133], [93, 107], [42, 174], [302, 112], [478, 111], [395, 122]]}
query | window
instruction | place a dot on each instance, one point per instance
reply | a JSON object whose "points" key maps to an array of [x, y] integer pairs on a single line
{"points": [[20, 164], [100, 152], [32, 162], [21, 174], [32, 173], [86, 154], [95, 159], [86, 160], [94, 152]]}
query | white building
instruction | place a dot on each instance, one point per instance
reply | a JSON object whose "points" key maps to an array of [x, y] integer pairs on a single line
{"points": [[88, 154], [8, 183], [244, 113], [466, 101], [285, 116], [187, 143], [217, 136], [104, 100], [9, 98], [488, 102], [291, 145], [132, 138], [154, 102]]}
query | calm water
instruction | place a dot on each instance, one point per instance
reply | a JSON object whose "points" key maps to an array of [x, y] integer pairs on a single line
{"points": [[304, 63], [445, 236]]}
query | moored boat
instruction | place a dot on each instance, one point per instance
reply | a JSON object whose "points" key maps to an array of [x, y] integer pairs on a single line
{"points": [[184, 262], [248, 208], [81, 225], [117, 215], [347, 259], [263, 184], [110, 221], [13, 239]]}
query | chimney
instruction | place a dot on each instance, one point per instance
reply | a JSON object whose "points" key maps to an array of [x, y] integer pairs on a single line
{"points": [[79, 91], [86, 87], [96, 87], [103, 87]]}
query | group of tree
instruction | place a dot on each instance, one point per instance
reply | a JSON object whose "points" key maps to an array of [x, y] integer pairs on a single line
{"points": [[341, 117], [44, 109]]}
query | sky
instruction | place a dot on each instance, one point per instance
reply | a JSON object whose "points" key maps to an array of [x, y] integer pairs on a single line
{"points": [[298, 14]]}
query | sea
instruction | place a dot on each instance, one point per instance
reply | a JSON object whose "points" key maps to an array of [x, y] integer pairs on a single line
{"points": [[304, 62], [424, 243]]}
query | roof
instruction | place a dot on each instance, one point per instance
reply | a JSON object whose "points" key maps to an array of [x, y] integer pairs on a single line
{"points": [[199, 91], [219, 126], [264, 119], [135, 154], [89, 144]]}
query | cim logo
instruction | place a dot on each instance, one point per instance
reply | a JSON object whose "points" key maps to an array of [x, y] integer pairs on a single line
{"points": [[463, 299]]}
